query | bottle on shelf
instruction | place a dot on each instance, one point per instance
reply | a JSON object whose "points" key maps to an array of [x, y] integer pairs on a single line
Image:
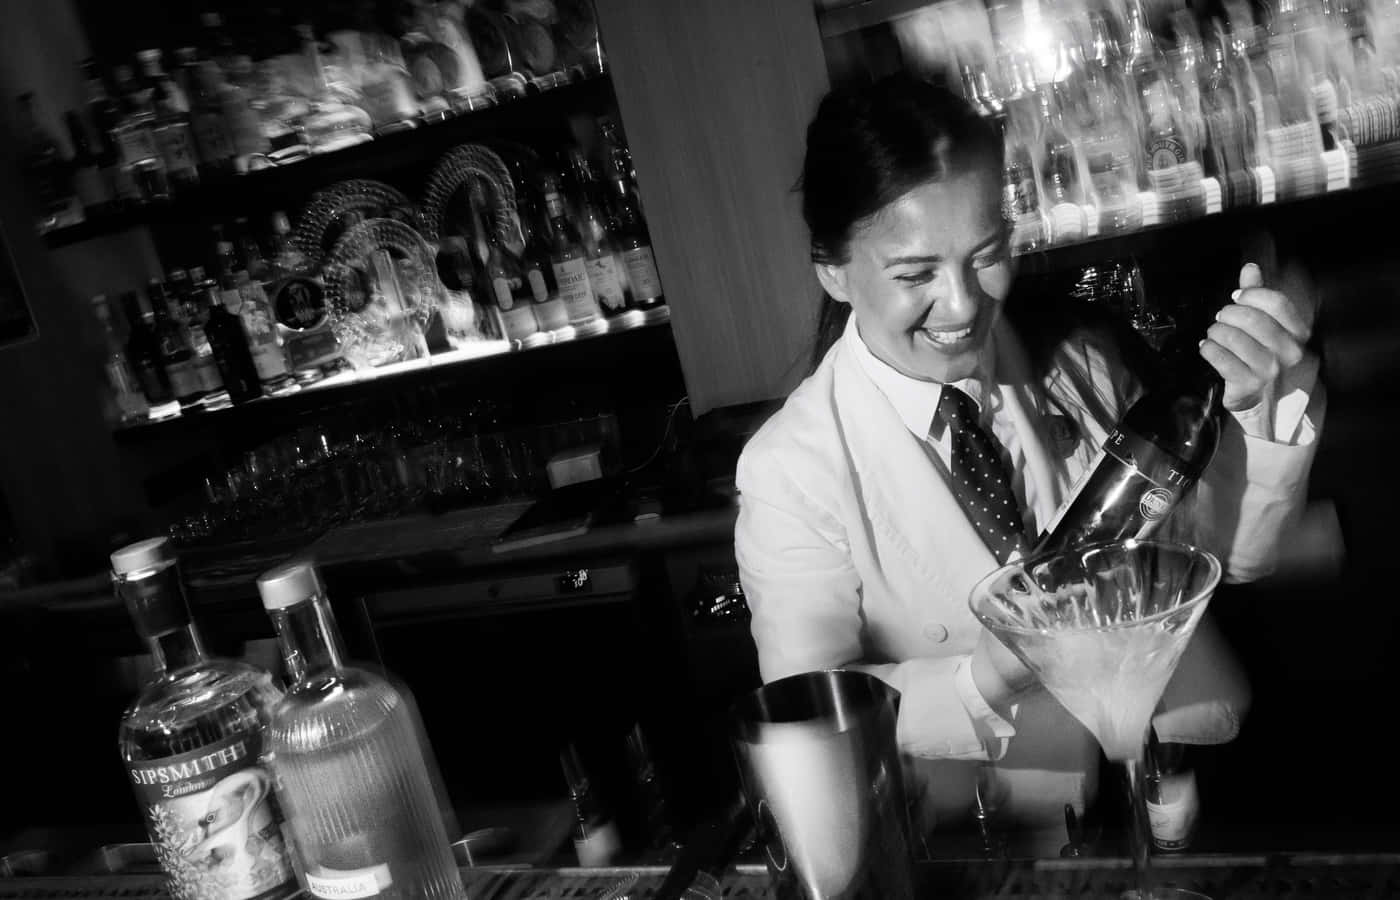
{"points": [[176, 352], [45, 170], [1149, 462], [355, 771], [123, 387], [91, 187], [1059, 173], [105, 114], [1110, 145], [514, 302], [633, 243], [213, 138], [246, 298], [227, 341], [596, 838], [190, 314], [244, 124], [135, 135], [568, 261], [194, 743], [1173, 801], [1227, 125], [143, 351], [606, 276], [1020, 195], [298, 300], [550, 311], [171, 125]]}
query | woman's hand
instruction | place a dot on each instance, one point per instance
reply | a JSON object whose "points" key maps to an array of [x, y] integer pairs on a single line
{"points": [[1257, 341]]}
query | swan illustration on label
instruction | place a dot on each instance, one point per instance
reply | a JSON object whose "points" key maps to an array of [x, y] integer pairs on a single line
{"points": [[215, 822]]}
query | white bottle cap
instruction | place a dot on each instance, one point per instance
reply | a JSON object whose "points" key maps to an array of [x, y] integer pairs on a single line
{"points": [[288, 584], [145, 554]]}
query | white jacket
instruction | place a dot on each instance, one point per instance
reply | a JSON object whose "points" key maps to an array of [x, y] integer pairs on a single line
{"points": [[852, 549]]}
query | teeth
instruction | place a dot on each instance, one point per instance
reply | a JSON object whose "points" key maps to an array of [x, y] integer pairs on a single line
{"points": [[947, 337]]}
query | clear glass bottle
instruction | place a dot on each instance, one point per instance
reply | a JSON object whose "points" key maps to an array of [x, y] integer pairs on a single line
{"points": [[143, 350], [176, 351], [172, 122], [1059, 173], [135, 136], [567, 259], [105, 115], [632, 241], [509, 291], [194, 744], [1020, 196], [129, 403], [191, 314], [550, 311], [298, 298], [596, 838], [356, 776]]}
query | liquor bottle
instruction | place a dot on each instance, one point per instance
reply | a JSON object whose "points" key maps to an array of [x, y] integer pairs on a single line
{"points": [[248, 252], [1227, 125], [189, 314], [1110, 142], [535, 263], [176, 353], [633, 243], [515, 304], [124, 389], [143, 351], [93, 189], [45, 170], [228, 343], [1059, 173], [212, 136], [135, 135], [105, 114], [172, 122], [356, 773], [246, 298], [1020, 196], [1173, 801], [605, 275], [566, 258], [195, 747], [244, 123], [596, 838], [1149, 462], [298, 299]]}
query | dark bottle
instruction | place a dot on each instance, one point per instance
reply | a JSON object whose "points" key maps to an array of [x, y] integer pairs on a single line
{"points": [[539, 268], [596, 839], [1149, 462], [94, 190], [105, 114], [177, 353], [143, 351], [224, 329], [1173, 802], [632, 241]]}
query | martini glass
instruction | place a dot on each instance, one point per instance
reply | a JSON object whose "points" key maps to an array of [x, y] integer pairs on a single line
{"points": [[1103, 626]]}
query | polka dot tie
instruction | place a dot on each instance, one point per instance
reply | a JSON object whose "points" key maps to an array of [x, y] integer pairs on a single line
{"points": [[979, 477]]}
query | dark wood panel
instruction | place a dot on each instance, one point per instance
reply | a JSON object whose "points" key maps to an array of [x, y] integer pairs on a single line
{"points": [[716, 98]]}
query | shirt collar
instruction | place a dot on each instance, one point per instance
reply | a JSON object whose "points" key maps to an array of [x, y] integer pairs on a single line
{"points": [[916, 401]]}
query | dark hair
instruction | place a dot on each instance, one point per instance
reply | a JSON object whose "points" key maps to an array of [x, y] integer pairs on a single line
{"points": [[867, 146]]}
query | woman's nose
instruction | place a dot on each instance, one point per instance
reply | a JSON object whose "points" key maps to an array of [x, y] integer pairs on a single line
{"points": [[962, 298]]}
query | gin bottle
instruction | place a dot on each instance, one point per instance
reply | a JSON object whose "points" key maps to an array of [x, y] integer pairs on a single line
{"points": [[356, 772], [193, 745]]}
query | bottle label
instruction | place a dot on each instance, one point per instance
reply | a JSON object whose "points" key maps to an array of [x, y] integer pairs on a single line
{"points": [[311, 347], [1165, 152], [177, 148], [641, 271], [209, 378], [138, 145], [572, 278], [519, 322], [501, 288], [185, 379], [268, 358], [1173, 815], [232, 300], [211, 137], [538, 290], [299, 303], [607, 286], [552, 314], [349, 884], [214, 820]]}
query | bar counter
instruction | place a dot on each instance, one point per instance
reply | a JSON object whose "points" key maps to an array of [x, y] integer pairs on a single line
{"points": [[1221, 877]]}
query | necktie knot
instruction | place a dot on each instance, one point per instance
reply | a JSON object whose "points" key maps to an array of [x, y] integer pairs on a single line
{"points": [[980, 480], [956, 408]]}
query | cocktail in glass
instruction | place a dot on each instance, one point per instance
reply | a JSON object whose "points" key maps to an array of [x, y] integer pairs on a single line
{"points": [[1103, 626]]}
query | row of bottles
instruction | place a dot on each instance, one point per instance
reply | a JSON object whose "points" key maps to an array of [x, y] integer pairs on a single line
{"points": [[195, 341], [170, 120], [329, 787], [1114, 119]]}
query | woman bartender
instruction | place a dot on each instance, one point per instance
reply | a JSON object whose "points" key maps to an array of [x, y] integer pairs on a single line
{"points": [[853, 542]]}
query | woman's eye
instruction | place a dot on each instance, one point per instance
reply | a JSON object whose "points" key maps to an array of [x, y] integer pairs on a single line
{"points": [[992, 258], [921, 277]]}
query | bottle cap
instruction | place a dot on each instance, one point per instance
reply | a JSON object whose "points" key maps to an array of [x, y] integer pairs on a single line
{"points": [[141, 555], [288, 584]]}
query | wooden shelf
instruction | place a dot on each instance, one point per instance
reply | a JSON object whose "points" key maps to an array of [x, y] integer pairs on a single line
{"points": [[864, 14], [280, 187], [620, 341]]}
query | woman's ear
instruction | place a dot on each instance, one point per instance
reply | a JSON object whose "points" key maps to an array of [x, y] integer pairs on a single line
{"points": [[833, 281]]}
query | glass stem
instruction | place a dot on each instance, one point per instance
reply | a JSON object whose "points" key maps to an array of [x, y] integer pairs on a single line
{"points": [[1141, 828]]}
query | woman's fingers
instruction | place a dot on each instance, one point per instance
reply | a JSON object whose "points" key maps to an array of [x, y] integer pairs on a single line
{"points": [[1281, 308], [1266, 330], [1251, 276], [1248, 368]]}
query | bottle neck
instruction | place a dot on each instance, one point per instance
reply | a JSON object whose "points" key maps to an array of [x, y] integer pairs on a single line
{"points": [[309, 638], [177, 648]]}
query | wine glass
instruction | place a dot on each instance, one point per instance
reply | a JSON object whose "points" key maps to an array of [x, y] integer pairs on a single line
{"points": [[1103, 627]]}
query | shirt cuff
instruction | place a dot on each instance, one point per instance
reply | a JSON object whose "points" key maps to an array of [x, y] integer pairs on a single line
{"points": [[1290, 423], [994, 730]]}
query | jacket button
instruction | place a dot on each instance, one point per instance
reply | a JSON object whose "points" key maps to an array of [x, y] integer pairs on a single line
{"points": [[936, 633]]}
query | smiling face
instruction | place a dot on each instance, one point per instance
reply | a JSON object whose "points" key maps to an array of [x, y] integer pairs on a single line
{"points": [[926, 276]]}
